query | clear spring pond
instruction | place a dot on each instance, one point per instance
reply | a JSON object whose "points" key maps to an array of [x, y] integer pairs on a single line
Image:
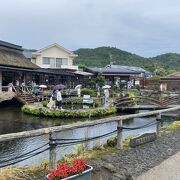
{"points": [[13, 120]]}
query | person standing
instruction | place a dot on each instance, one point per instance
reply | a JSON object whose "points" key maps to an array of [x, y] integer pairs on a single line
{"points": [[98, 92], [79, 92], [23, 86], [10, 87], [106, 95], [59, 100], [17, 84]]}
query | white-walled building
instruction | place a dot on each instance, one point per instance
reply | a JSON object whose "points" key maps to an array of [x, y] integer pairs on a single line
{"points": [[54, 56]]}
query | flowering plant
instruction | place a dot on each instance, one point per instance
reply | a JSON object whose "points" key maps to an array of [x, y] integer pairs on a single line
{"points": [[65, 170]]}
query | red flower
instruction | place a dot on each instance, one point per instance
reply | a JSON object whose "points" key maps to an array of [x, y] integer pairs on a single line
{"points": [[65, 170]]}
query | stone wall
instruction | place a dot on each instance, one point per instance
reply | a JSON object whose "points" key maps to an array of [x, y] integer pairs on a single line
{"points": [[5, 96]]}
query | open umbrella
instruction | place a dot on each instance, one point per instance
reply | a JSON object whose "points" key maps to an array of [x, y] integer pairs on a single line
{"points": [[36, 91], [59, 87], [78, 86], [43, 86], [106, 87]]}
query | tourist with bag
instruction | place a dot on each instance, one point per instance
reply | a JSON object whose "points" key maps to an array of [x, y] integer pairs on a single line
{"points": [[59, 100]]}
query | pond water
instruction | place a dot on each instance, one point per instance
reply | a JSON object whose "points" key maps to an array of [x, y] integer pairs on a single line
{"points": [[13, 120]]}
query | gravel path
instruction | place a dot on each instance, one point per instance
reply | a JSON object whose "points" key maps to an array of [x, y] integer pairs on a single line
{"points": [[125, 164]]}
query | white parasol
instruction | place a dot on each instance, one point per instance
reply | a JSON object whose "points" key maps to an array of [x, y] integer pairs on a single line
{"points": [[43, 86], [78, 86], [106, 87]]}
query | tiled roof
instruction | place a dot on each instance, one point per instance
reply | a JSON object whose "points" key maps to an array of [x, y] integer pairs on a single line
{"points": [[119, 70], [174, 76]]}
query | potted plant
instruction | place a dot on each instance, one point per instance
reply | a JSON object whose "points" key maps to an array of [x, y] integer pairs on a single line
{"points": [[78, 170]]}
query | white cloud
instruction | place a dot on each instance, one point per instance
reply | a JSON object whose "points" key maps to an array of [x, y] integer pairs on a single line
{"points": [[145, 27]]}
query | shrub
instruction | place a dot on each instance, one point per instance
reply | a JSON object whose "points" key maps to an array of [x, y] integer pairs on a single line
{"points": [[79, 101], [87, 91], [68, 114], [44, 103], [111, 142], [28, 110]]}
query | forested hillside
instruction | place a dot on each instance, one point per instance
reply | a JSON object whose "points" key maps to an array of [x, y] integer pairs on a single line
{"points": [[99, 57]]}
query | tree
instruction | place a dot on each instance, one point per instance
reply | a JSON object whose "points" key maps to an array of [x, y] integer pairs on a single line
{"points": [[100, 80]]}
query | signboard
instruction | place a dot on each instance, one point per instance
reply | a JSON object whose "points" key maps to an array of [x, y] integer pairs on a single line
{"points": [[142, 139]]}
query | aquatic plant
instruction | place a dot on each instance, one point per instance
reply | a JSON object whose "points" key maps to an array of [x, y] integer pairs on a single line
{"points": [[40, 110]]}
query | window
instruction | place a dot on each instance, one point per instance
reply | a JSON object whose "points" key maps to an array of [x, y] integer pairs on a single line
{"points": [[58, 62], [46, 60], [64, 61], [52, 63], [55, 62], [61, 61]]}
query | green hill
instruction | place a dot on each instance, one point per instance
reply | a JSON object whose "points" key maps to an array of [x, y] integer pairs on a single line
{"points": [[168, 61], [101, 56]]}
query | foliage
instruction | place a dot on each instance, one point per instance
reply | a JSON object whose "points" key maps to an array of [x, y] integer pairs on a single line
{"points": [[100, 80], [39, 172], [79, 101], [80, 148], [46, 92], [87, 91], [76, 100], [68, 114], [112, 141], [172, 127], [79, 113], [102, 56], [27, 109], [81, 66], [129, 100], [44, 103], [24, 173]]}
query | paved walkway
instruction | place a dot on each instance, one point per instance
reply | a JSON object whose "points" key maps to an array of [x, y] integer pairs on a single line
{"points": [[167, 170]]}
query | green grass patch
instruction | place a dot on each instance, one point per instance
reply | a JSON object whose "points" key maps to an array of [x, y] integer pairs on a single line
{"points": [[172, 127]]}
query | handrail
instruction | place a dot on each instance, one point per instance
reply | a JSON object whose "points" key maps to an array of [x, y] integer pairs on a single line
{"points": [[43, 131]]}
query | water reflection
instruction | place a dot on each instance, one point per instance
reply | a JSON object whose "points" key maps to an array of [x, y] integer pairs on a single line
{"points": [[13, 120]]}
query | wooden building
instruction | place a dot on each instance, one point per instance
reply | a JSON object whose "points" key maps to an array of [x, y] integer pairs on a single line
{"points": [[170, 82], [115, 74], [15, 66]]}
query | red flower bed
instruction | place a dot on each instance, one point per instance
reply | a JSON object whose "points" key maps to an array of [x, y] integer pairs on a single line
{"points": [[65, 170]]}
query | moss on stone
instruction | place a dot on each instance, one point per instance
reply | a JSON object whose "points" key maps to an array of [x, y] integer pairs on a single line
{"points": [[172, 127]]}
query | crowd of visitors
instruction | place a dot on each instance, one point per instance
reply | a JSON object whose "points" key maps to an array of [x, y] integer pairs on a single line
{"points": [[56, 97]]}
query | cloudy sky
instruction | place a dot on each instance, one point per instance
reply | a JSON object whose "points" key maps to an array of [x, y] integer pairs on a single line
{"points": [[144, 27]]}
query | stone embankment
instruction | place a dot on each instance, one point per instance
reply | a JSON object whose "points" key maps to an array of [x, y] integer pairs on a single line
{"points": [[5, 96], [130, 163]]}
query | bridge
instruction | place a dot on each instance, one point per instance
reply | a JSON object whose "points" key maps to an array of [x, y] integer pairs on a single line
{"points": [[22, 94], [147, 103]]}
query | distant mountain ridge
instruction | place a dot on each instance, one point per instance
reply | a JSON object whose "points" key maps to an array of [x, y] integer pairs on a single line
{"points": [[101, 56]]}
